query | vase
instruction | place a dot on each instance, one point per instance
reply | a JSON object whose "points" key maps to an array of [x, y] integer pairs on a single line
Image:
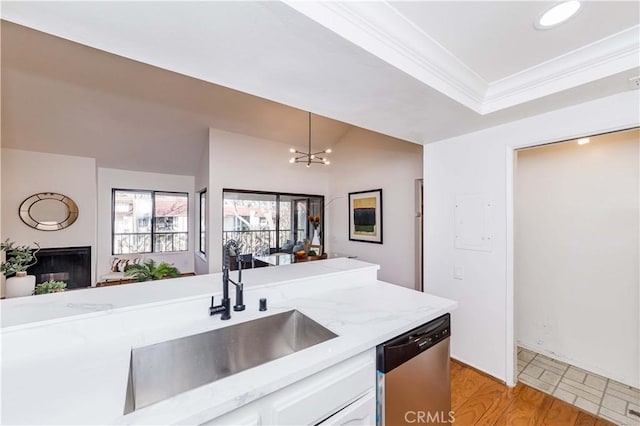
{"points": [[20, 285], [316, 238]]}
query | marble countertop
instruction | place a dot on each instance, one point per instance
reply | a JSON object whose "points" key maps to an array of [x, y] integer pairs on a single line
{"points": [[36, 310], [76, 365]]}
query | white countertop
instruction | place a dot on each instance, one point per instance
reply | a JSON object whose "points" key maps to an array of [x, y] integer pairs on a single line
{"points": [[33, 310], [75, 362]]}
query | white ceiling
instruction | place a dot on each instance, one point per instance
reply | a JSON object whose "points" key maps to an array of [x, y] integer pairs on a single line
{"points": [[505, 32], [421, 71], [406, 42]]}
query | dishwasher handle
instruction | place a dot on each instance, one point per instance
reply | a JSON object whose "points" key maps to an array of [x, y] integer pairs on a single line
{"points": [[415, 342], [401, 349], [422, 342]]}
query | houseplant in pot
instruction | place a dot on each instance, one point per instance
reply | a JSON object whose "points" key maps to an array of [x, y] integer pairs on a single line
{"points": [[51, 286], [149, 271], [17, 259]]}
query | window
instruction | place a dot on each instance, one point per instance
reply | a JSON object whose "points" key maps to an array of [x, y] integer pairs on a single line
{"points": [[268, 222], [203, 222], [150, 221]]}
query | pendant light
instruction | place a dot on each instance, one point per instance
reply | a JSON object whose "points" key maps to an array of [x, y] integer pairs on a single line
{"points": [[309, 157]]}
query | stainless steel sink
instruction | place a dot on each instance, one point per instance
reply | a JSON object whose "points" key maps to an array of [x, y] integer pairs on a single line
{"points": [[159, 371]]}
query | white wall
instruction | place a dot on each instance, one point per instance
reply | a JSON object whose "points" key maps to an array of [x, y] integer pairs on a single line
{"points": [[364, 160], [201, 262], [126, 179], [26, 173], [577, 253], [480, 162], [242, 162]]}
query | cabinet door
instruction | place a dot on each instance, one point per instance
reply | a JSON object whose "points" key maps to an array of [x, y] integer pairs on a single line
{"points": [[361, 412], [323, 394]]}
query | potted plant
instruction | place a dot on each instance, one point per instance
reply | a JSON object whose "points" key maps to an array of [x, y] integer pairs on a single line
{"points": [[149, 271], [17, 259], [51, 286]]}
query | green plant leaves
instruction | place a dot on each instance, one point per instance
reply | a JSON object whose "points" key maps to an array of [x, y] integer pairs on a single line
{"points": [[50, 286], [18, 257], [148, 271]]}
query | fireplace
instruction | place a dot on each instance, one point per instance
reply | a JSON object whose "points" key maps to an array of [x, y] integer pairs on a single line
{"points": [[69, 264]]}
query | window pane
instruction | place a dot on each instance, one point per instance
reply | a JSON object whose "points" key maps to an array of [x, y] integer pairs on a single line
{"points": [[171, 213], [301, 220], [131, 243], [170, 242], [250, 219], [286, 223], [203, 221], [132, 222], [132, 212]]}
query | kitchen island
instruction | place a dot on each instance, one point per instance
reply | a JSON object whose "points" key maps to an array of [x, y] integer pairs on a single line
{"points": [[66, 357]]}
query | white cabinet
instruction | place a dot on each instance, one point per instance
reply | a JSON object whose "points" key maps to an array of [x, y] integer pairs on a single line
{"points": [[359, 413], [343, 394]]}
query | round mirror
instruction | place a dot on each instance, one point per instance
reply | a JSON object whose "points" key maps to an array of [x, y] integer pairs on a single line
{"points": [[48, 211]]}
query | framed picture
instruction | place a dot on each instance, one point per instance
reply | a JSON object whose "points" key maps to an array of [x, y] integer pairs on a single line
{"points": [[317, 249], [365, 216]]}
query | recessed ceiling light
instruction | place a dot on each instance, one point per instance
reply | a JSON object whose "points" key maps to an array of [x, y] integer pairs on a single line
{"points": [[583, 141], [557, 14]]}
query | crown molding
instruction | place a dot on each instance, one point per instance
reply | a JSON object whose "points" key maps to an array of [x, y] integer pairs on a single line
{"points": [[605, 57], [380, 29]]}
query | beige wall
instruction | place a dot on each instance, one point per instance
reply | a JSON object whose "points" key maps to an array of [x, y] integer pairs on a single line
{"points": [[577, 253], [26, 173], [365, 160]]}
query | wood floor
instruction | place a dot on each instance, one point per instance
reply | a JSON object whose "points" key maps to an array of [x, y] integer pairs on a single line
{"points": [[478, 399]]}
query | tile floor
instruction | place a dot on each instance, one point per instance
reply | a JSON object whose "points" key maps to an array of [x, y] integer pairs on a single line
{"points": [[592, 393]]}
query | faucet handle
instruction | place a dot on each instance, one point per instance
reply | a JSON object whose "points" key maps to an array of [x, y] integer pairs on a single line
{"points": [[213, 310]]}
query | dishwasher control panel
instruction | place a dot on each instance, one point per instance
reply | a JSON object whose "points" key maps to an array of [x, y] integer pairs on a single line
{"points": [[394, 352]]}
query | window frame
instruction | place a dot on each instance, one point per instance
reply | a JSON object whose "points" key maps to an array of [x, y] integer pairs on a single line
{"points": [[202, 248], [277, 201], [153, 232]]}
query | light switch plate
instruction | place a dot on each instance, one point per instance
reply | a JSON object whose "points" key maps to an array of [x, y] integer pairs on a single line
{"points": [[458, 272]]}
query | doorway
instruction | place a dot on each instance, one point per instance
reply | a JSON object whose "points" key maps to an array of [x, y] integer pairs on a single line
{"points": [[576, 251]]}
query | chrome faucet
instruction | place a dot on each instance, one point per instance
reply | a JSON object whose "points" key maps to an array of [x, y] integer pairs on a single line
{"points": [[224, 307]]}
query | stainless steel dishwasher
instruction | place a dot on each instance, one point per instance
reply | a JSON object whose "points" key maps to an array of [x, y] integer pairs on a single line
{"points": [[413, 385]]}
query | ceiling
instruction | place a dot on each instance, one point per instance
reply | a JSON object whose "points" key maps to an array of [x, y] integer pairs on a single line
{"points": [[66, 98], [417, 71], [509, 41]]}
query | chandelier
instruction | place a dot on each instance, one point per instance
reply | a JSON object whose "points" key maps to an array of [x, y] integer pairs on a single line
{"points": [[309, 157]]}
